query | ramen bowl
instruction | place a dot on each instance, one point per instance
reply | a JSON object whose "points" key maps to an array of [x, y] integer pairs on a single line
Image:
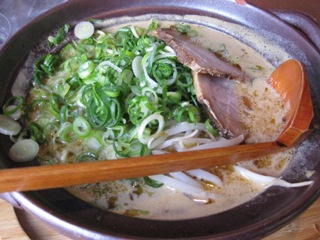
{"points": [[254, 219]]}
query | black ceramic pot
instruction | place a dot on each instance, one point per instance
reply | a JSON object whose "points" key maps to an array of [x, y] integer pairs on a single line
{"points": [[252, 220]]}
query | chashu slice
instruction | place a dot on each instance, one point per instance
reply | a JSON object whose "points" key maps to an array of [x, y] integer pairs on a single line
{"points": [[196, 57], [219, 97], [211, 78]]}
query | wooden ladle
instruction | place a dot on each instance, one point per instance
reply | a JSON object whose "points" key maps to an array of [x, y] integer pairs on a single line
{"points": [[289, 80]]}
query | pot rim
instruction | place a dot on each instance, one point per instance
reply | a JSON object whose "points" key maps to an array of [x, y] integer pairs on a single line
{"points": [[62, 223]]}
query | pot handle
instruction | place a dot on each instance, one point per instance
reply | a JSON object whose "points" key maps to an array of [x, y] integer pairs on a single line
{"points": [[10, 199], [304, 23]]}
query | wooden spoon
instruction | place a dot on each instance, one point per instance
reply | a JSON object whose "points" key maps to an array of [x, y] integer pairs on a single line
{"points": [[289, 79], [291, 82]]}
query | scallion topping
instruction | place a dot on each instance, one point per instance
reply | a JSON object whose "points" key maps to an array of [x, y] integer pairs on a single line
{"points": [[24, 150], [13, 105], [107, 96], [84, 30], [81, 127], [9, 126]]}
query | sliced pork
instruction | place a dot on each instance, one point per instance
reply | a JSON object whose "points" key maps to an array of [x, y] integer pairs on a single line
{"points": [[219, 97], [196, 57]]}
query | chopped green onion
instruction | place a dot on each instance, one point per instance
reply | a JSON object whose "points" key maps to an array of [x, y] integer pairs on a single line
{"points": [[36, 132], [152, 183], [63, 114], [86, 69], [49, 64], [63, 89], [112, 91], [50, 130], [56, 102], [121, 148], [60, 36], [86, 157], [174, 97], [138, 149], [81, 127], [186, 29], [210, 129], [93, 143], [137, 67], [9, 126], [24, 150], [84, 30], [103, 65], [154, 25], [182, 28], [13, 105], [66, 133], [165, 70], [16, 114], [141, 131]]}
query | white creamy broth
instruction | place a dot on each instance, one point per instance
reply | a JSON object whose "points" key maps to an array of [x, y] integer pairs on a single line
{"points": [[263, 115], [165, 203]]}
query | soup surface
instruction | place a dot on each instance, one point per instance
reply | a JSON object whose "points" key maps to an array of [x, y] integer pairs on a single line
{"points": [[262, 113]]}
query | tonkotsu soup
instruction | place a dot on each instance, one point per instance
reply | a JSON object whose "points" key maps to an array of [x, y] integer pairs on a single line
{"points": [[118, 92]]}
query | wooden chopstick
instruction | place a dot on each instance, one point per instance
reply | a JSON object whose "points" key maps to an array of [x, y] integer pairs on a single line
{"points": [[63, 175]]}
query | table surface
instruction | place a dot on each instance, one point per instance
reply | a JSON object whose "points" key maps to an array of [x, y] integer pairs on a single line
{"points": [[306, 226]]}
